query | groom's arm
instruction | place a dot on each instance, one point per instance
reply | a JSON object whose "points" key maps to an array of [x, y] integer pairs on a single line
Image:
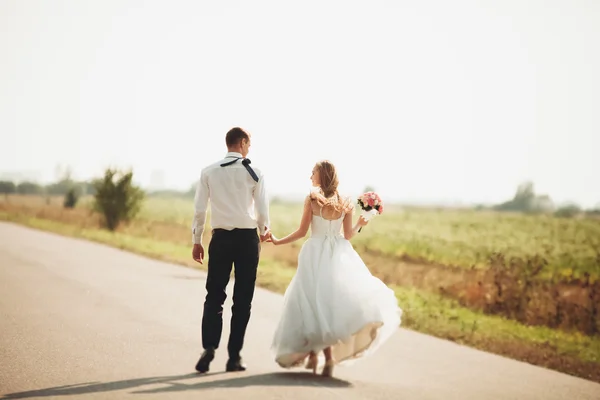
{"points": [[200, 207], [261, 202]]}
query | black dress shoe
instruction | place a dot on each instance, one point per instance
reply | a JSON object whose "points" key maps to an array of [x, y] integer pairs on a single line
{"points": [[234, 365], [204, 361]]}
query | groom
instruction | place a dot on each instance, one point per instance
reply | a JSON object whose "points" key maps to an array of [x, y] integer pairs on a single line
{"points": [[235, 189]]}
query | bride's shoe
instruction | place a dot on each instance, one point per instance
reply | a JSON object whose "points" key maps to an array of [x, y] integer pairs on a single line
{"points": [[328, 368], [312, 363]]}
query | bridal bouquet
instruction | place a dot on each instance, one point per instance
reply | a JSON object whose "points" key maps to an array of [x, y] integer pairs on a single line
{"points": [[371, 204]]}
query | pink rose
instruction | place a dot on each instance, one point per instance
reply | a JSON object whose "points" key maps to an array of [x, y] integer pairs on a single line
{"points": [[371, 202]]}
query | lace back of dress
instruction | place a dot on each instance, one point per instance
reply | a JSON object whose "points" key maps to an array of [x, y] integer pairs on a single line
{"points": [[326, 226]]}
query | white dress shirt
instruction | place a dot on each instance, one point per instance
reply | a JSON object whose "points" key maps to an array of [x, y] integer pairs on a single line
{"points": [[236, 200]]}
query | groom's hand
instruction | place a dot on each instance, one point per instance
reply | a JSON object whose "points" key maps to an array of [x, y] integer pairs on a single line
{"points": [[266, 236], [198, 253]]}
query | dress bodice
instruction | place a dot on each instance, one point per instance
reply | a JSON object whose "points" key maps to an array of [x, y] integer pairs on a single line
{"points": [[321, 227]]}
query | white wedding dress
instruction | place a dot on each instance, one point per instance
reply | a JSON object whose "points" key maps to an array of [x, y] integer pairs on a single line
{"points": [[333, 300]]}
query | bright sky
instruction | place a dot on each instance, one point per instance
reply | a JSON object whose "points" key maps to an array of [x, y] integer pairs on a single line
{"points": [[424, 100]]}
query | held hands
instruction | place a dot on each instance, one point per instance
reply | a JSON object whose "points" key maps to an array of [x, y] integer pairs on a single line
{"points": [[266, 236], [269, 237]]}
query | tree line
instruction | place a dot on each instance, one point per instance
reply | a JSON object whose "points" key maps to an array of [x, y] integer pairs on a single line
{"points": [[54, 189], [525, 200], [115, 195]]}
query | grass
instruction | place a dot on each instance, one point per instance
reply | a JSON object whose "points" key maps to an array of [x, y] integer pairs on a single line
{"points": [[449, 237], [161, 234], [467, 238], [463, 238]]}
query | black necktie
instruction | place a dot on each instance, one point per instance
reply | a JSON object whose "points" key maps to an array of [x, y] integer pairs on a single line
{"points": [[245, 163]]}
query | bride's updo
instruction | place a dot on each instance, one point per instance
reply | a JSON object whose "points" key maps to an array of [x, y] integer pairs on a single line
{"points": [[327, 194]]}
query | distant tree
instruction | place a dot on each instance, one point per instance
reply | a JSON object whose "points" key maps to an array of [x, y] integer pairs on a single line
{"points": [[7, 187], [594, 211], [525, 200], [525, 192], [64, 183], [568, 211], [58, 188], [368, 188], [71, 198], [29, 188], [117, 198]]}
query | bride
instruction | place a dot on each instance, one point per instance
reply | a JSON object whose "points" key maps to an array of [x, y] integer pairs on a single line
{"points": [[333, 304]]}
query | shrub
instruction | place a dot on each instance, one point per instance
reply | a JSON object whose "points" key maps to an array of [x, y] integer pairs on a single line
{"points": [[71, 198], [117, 198]]}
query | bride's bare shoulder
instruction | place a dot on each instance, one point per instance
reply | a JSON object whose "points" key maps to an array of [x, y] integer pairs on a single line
{"points": [[313, 203]]}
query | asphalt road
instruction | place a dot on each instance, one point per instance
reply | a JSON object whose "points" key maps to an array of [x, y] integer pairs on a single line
{"points": [[79, 319]]}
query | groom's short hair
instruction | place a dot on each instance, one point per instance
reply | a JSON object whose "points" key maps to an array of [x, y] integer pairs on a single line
{"points": [[235, 135]]}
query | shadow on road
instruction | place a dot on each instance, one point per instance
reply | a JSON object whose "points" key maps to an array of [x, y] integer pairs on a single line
{"points": [[270, 379], [174, 384], [97, 387]]}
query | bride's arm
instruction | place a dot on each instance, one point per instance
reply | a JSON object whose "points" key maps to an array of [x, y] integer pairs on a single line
{"points": [[302, 230], [349, 230]]}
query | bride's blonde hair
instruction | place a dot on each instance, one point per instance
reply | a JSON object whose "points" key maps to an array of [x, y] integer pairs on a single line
{"points": [[327, 193]]}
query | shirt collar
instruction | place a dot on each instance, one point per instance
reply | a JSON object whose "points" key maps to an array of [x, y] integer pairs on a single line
{"points": [[233, 154]]}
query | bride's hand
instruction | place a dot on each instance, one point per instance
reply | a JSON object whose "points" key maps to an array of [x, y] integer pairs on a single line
{"points": [[362, 221]]}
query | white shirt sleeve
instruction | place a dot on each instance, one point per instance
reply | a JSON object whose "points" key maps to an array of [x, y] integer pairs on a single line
{"points": [[261, 204], [200, 206]]}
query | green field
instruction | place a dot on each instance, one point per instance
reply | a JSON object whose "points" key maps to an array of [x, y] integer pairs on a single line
{"points": [[463, 238]]}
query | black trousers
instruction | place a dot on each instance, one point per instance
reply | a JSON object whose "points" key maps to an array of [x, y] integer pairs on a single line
{"points": [[239, 247]]}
